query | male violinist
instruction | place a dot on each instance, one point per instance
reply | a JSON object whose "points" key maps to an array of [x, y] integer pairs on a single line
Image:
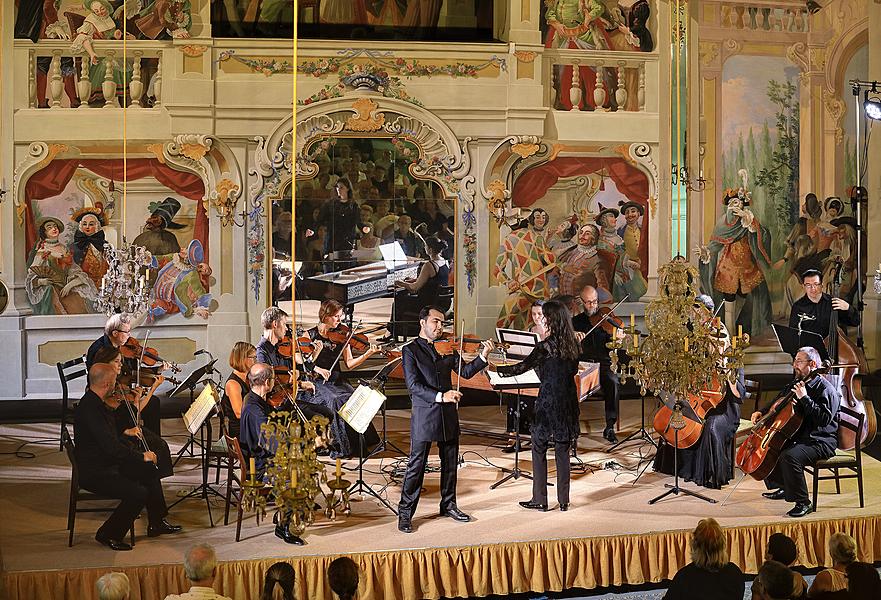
{"points": [[434, 416], [593, 349], [112, 465], [117, 331], [813, 311], [817, 402]]}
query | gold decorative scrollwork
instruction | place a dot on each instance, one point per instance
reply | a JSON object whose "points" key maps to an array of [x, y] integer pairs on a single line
{"points": [[157, 151], [193, 50], [525, 56], [54, 150], [496, 201], [524, 149], [835, 107], [365, 118], [224, 203], [708, 53], [194, 151]]}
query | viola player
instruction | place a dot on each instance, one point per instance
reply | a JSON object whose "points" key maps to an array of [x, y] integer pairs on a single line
{"points": [[817, 402]]}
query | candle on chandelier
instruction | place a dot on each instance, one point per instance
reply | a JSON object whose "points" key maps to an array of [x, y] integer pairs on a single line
{"points": [[632, 320], [293, 476], [635, 340], [740, 331], [615, 334], [339, 468], [686, 344], [253, 468]]}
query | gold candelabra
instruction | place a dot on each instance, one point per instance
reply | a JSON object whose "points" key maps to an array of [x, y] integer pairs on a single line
{"points": [[686, 349]]}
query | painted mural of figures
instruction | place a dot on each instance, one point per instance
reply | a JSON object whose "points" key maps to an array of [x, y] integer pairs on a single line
{"points": [[98, 25], [157, 17], [586, 264], [88, 242], [55, 284], [422, 13], [155, 237], [524, 266], [635, 249], [732, 263], [826, 231], [36, 20], [182, 284], [844, 244], [384, 12], [625, 282]]}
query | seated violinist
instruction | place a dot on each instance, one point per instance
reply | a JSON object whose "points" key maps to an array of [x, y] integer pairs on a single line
{"points": [[117, 333], [133, 400], [329, 337], [275, 327], [813, 311], [817, 403]]}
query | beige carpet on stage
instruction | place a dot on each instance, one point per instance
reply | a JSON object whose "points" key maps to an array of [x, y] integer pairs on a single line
{"points": [[605, 501]]}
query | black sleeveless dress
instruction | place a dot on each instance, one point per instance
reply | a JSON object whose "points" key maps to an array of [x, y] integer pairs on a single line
{"points": [[232, 421]]}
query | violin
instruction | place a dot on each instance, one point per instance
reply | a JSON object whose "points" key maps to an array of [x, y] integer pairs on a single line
{"points": [[606, 320], [148, 356], [469, 345], [341, 334]]}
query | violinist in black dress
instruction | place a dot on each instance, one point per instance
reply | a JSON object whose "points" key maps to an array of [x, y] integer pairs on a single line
{"points": [[555, 418]]}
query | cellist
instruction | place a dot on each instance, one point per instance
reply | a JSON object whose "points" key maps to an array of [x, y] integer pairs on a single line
{"points": [[813, 311], [817, 402]]}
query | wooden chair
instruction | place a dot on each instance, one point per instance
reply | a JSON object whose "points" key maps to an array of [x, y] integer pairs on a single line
{"points": [[851, 461], [68, 371], [78, 495], [754, 393], [236, 458]]}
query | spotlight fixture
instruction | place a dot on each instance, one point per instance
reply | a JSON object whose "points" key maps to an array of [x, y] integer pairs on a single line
{"points": [[873, 108]]}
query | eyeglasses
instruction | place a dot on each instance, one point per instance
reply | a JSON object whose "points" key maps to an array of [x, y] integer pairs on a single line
{"points": [[123, 330], [812, 285]]}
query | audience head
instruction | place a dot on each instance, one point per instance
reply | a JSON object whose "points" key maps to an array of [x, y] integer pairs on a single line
{"points": [[280, 574], [343, 577], [842, 548], [343, 188], [781, 548], [863, 580], [102, 379], [113, 586], [109, 355], [118, 328], [242, 357], [773, 582], [260, 377], [709, 550], [200, 564]]}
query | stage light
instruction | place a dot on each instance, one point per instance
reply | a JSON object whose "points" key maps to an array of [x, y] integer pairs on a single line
{"points": [[873, 108]]}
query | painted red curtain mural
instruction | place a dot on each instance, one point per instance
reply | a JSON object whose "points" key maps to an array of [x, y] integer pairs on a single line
{"points": [[54, 177]]}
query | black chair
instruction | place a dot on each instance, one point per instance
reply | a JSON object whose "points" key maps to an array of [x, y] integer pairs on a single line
{"points": [[236, 458], [754, 393], [78, 495], [68, 371], [850, 461]]}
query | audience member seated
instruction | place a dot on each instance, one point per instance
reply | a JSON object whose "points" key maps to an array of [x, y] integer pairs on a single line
{"points": [[113, 586], [781, 548], [709, 574], [241, 358], [863, 581], [200, 567], [773, 582], [279, 576], [342, 574], [843, 550]]}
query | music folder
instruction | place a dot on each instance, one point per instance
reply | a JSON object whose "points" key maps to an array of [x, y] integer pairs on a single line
{"points": [[201, 408], [361, 407], [790, 340], [526, 380]]}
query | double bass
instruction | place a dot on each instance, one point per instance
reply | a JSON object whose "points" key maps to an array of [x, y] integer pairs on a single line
{"points": [[842, 350]]}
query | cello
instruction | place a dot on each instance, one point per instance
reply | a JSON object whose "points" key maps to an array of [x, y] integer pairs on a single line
{"points": [[701, 403], [842, 350]]}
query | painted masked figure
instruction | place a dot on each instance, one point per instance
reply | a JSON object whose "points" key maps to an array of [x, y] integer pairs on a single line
{"points": [[182, 284], [586, 264], [55, 284], [155, 237], [88, 242]]}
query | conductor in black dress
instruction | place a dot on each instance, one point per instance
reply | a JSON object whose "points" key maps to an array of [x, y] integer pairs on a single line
{"points": [[555, 419], [434, 416]]}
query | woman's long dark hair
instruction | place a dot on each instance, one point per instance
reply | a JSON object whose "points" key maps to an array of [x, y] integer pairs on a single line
{"points": [[561, 341], [280, 573]]}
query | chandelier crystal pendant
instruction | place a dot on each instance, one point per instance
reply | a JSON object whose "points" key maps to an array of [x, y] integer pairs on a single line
{"points": [[124, 287]]}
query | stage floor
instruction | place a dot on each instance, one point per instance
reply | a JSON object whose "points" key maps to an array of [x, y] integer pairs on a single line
{"points": [[606, 502]]}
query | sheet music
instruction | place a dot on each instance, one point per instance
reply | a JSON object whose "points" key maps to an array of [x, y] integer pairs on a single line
{"points": [[199, 410], [361, 407], [530, 377]]}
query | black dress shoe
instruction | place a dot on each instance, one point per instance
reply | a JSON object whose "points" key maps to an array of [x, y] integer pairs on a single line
{"points": [[162, 528], [117, 545], [285, 534], [405, 525], [609, 434], [455, 513], [564, 507], [534, 505], [774, 495], [801, 509]]}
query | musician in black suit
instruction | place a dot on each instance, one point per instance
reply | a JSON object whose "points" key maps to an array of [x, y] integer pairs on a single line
{"points": [[434, 416], [813, 311]]}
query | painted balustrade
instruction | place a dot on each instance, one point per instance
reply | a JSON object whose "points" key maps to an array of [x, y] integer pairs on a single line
{"points": [[596, 80]]}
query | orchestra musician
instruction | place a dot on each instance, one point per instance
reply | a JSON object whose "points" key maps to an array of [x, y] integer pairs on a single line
{"points": [[434, 416], [812, 312], [555, 419], [593, 349], [539, 327], [817, 401], [416, 293], [111, 465], [708, 462], [331, 392], [260, 406], [242, 357], [137, 399]]}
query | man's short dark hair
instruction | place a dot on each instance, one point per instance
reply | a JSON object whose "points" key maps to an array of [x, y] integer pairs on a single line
{"points": [[776, 580], [781, 548], [811, 273], [426, 310]]}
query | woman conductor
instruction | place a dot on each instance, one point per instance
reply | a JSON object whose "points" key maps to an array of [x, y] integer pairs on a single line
{"points": [[555, 421]]}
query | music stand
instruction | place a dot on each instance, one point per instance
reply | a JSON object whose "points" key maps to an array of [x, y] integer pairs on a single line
{"points": [[358, 412], [791, 339], [378, 383], [190, 383], [687, 413]]}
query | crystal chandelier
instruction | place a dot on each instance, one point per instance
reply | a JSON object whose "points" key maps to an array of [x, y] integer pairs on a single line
{"points": [[686, 350], [124, 286]]}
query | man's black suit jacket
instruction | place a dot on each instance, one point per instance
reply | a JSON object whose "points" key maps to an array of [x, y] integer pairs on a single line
{"points": [[427, 373]]}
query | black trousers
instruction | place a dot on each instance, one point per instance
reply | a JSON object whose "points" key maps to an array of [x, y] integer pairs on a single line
{"points": [[412, 485], [137, 485], [789, 475], [609, 390], [153, 439], [540, 470]]}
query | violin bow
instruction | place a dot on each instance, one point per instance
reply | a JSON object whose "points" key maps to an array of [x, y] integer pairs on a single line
{"points": [[459, 368], [607, 315], [138, 380], [344, 345]]}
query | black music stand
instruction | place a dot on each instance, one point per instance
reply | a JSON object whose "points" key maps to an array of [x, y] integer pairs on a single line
{"points": [[791, 339], [190, 383], [378, 382], [516, 472], [687, 413]]}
